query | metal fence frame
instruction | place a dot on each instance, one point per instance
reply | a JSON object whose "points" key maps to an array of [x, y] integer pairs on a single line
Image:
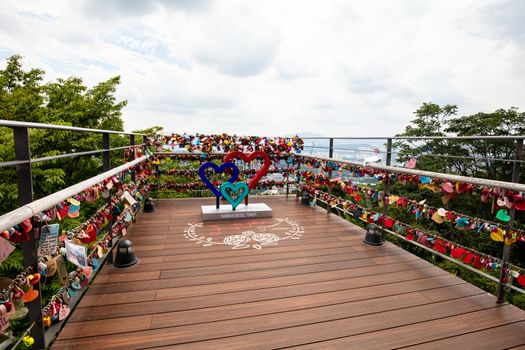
{"points": [[28, 207], [513, 185]]}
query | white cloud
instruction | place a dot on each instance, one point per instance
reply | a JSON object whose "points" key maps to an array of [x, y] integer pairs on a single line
{"points": [[275, 67]]}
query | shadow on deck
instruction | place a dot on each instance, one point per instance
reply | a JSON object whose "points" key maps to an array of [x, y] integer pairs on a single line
{"points": [[320, 289]]}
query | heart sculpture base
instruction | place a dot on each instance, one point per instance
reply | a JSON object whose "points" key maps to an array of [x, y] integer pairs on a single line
{"points": [[225, 212]]}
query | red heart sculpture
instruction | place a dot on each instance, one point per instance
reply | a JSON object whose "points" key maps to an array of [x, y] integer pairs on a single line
{"points": [[247, 159]]}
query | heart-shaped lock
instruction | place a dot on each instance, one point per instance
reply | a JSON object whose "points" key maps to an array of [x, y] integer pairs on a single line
{"points": [[64, 295], [503, 215], [521, 280], [63, 313]]}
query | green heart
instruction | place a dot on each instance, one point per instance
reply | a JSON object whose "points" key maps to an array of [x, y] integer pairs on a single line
{"points": [[503, 215], [235, 188]]}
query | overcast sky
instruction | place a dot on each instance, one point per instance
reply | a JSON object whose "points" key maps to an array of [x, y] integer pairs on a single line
{"points": [[338, 68]]}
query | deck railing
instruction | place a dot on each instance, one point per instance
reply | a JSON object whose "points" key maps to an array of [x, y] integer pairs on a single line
{"points": [[29, 208], [388, 170], [295, 169]]}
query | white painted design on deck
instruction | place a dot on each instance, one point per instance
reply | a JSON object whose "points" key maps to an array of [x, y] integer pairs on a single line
{"points": [[266, 235]]}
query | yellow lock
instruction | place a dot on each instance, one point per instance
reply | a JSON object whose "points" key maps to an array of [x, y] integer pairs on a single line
{"points": [[46, 321], [28, 340]]}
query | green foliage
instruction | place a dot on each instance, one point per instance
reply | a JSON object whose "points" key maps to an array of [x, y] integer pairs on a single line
{"points": [[150, 131], [448, 156], [25, 97], [431, 120], [501, 122], [13, 264]]}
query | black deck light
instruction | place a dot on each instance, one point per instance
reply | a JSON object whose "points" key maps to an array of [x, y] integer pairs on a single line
{"points": [[373, 235], [305, 198], [125, 256], [149, 207]]}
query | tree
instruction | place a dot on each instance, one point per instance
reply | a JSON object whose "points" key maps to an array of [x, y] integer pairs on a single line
{"points": [[431, 120], [25, 97], [472, 157], [501, 122], [478, 158], [150, 131], [21, 92]]}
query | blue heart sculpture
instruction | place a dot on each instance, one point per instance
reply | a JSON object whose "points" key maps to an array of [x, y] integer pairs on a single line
{"points": [[218, 169], [239, 186]]}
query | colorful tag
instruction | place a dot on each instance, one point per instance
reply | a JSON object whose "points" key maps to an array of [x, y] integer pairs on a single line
{"points": [[5, 249], [95, 264], [63, 276], [129, 198], [73, 201], [4, 323], [48, 239], [63, 313], [76, 254]]}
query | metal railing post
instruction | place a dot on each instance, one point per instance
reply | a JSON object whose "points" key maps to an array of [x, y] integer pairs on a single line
{"points": [[25, 195], [298, 178], [106, 155], [132, 145], [330, 155], [106, 161], [145, 142], [518, 154], [287, 179], [387, 181]]}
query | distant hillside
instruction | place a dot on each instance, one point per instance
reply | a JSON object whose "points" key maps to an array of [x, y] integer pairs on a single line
{"points": [[305, 134]]}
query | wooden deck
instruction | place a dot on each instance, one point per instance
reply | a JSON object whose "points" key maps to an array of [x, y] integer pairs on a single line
{"points": [[321, 289]]}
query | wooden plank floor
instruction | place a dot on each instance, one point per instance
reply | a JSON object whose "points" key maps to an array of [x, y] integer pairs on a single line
{"points": [[318, 289]]}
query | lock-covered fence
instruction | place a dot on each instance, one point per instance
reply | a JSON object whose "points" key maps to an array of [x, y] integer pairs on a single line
{"points": [[60, 254], [457, 215]]}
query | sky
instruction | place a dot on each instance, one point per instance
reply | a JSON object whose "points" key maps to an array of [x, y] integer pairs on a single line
{"points": [[277, 67]]}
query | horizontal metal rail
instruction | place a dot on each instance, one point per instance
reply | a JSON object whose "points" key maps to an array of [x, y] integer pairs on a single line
{"points": [[450, 137], [446, 257], [195, 154], [65, 155], [29, 210], [466, 179], [417, 155], [17, 124], [21, 338], [128, 146], [13, 163], [176, 154]]}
